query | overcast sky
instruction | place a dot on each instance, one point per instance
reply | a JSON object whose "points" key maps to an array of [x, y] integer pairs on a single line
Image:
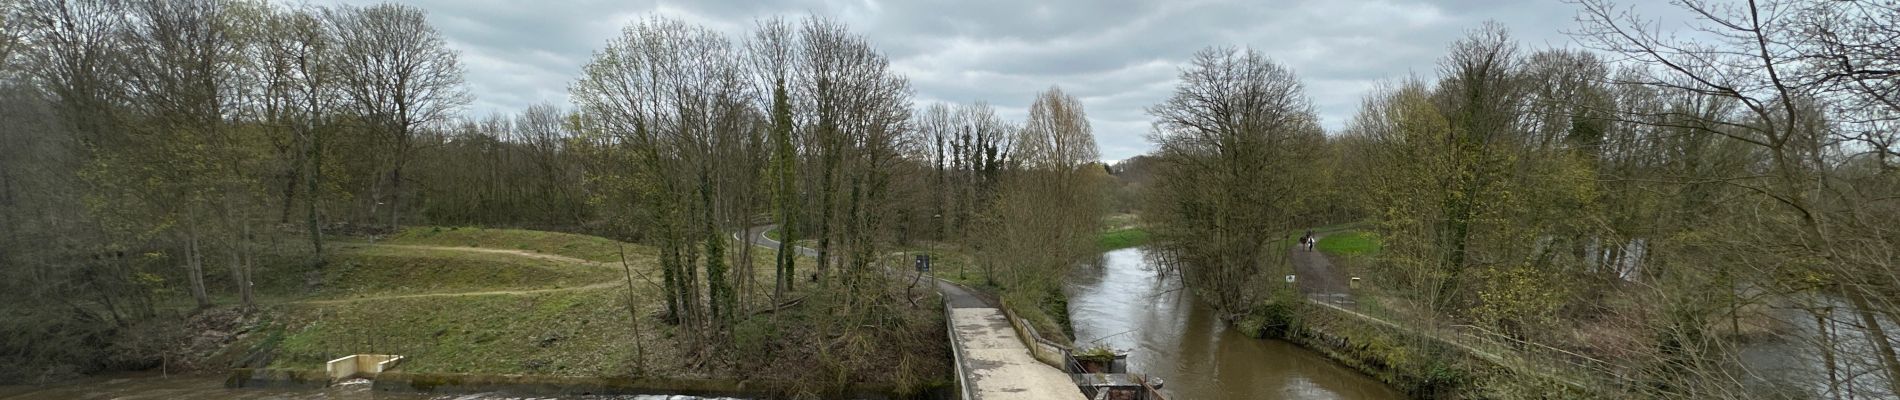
{"points": [[1117, 56]]}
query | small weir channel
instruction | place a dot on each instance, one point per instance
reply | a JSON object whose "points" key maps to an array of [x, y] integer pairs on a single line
{"points": [[1122, 303]]}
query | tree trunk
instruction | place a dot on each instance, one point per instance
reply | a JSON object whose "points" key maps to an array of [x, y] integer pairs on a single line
{"points": [[395, 195], [238, 281], [1825, 329], [290, 190], [1876, 333], [7, 218], [825, 189], [313, 175], [194, 266]]}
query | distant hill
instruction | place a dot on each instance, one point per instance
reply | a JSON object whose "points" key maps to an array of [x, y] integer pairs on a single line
{"points": [[1131, 176]]}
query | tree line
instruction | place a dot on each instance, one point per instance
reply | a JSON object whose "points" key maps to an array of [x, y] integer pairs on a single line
{"points": [[149, 141], [1673, 205]]}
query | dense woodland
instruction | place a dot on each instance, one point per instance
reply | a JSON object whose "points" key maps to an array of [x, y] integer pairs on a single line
{"points": [[1666, 206], [1670, 206], [157, 152]]}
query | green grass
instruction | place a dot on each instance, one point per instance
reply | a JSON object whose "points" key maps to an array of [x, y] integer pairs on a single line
{"points": [[1123, 238], [358, 271], [1350, 243], [581, 333], [567, 244]]}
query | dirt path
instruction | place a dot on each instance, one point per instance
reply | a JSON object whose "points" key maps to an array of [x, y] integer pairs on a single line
{"points": [[602, 285], [516, 253], [512, 252], [1318, 279]]}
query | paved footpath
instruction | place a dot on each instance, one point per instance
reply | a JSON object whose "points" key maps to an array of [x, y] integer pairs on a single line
{"points": [[993, 360]]}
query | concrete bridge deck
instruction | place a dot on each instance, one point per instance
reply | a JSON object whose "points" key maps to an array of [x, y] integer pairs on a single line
{"points": [[992, 360]]}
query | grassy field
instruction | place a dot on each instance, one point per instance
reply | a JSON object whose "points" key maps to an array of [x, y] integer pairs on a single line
{"points": [[584, 247], [575, 333], [1123, 238], [500, 301], [1349, 243], [366, 270]]}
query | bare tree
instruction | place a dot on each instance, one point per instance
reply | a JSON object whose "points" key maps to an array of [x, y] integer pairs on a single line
{"points": [[856, 110], [668, 97], [773, 54], [1784, 66], [1050, 203], [1231, 140], [299, 93], [399, 76]]}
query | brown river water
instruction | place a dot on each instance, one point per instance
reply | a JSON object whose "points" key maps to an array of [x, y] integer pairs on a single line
{"points": [[1122, 303]]}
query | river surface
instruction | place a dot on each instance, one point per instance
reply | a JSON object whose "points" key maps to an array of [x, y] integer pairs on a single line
{"points": [[151, 387], [1123, 304]]}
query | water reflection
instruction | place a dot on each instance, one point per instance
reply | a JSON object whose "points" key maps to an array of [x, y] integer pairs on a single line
{"points": [[1122, 303]]}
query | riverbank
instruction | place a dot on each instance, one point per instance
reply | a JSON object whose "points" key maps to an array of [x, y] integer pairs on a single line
{"points": [[1421, 365], [1424, 359]]}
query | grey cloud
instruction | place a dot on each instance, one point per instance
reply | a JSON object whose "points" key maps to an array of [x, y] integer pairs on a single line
{"points": [[1118, 56]]}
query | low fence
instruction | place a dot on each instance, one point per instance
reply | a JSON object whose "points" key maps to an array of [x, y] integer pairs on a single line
{"points": [[1044, 350], [956, 352], [1060, 356]]}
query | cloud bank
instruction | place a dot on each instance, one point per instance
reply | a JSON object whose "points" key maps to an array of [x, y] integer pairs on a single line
{"points": [[1118, 56]]}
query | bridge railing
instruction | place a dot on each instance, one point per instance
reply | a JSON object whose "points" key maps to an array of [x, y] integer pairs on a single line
{"points": [[1044, 350], [956, 352]]}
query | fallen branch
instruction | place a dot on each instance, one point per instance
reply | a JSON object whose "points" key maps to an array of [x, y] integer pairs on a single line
{"points": [[781, 306]]}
